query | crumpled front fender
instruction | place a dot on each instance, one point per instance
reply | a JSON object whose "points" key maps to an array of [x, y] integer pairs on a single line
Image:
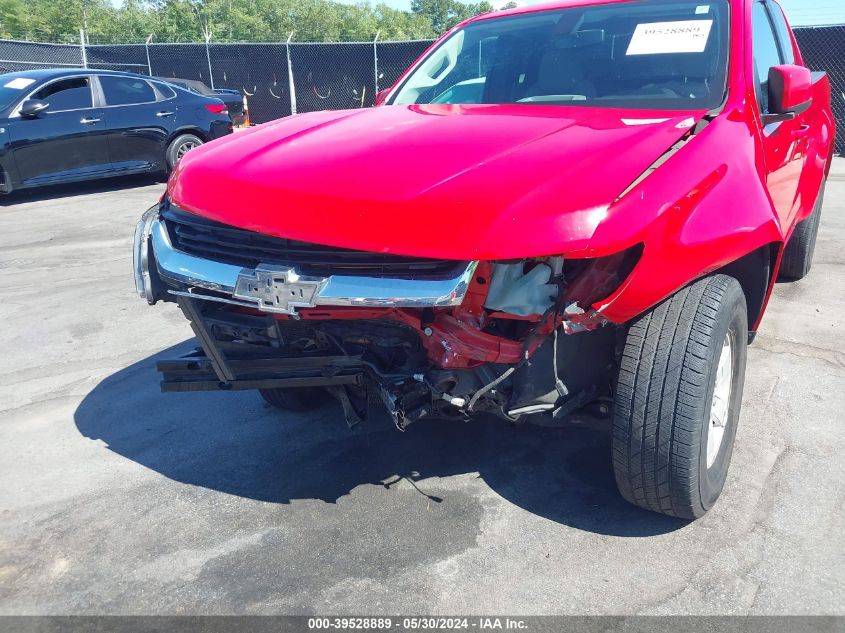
{"points": [[701, 210]]}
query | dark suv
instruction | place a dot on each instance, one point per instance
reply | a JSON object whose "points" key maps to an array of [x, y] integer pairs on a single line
{"points": [[78, 124]]}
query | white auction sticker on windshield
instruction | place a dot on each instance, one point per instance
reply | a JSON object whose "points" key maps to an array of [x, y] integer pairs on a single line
{"points": [[19, 83], [689, 36]]}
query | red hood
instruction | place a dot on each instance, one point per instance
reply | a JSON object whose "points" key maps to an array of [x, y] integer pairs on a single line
{"points": [[455, 182]]}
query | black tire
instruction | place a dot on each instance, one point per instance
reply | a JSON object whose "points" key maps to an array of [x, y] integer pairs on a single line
{"points": [[301, 399], [798, 255], [664, 397], [179, 146]]}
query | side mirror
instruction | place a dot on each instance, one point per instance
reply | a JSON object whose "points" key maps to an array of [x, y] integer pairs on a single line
{"points": [[381, 96], [790, 93], [33, 107]]}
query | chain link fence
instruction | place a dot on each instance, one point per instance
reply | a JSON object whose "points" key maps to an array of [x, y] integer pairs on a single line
{"points": [[277, 78], [823, 48], [281, 78], [15, 55], [258, 71], [127, 57]]}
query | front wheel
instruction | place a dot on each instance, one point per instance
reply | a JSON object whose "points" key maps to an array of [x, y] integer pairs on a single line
{"points": [[180, 146], [678, 399]]}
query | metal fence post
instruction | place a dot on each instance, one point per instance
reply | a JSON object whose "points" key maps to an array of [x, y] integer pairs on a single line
{"points": [[375, 63], [291, 85], [208, 55], [82, 48], [147, 48]]}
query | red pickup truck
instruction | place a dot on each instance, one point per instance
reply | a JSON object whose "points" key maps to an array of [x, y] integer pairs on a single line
{"points": [[572, 208]]}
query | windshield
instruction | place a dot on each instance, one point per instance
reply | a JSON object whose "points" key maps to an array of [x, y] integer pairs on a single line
{"points": [[653, 54], [13, 86]]}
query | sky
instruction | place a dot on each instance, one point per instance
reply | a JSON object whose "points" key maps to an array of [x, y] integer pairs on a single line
{"points": [[800, 12], [812, 12]]}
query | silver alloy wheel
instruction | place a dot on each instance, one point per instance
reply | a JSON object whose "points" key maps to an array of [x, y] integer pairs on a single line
{"points": [[184, 148], [721, 404]]}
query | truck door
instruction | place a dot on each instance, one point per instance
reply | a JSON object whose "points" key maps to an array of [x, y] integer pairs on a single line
{"points": [[784, 144]]}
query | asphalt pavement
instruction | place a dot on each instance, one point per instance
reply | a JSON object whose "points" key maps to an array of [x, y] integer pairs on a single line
{"points": [[116, 498]]}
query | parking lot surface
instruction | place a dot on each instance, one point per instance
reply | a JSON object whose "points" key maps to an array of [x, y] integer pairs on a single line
{"points": [[116, 498]]}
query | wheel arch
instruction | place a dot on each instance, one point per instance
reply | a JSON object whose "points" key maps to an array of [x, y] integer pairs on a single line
{"points": [[755, 272], [187, 129]]}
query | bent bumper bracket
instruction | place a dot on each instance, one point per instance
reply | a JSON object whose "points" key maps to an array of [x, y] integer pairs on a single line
{"points": [[209, 369]]}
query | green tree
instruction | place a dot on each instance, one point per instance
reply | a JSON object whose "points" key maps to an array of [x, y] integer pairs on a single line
{"points": [[228, 20], [444, 14], [14, 19], [402, 25]]}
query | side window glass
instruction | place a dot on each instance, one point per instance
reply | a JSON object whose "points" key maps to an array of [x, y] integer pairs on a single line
{"points": [[783, 34], [68, 94], [766, 52], [165, 91], [126, 90]]}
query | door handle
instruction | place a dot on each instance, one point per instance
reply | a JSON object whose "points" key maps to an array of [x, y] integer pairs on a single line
{"points": [[801, 132], [88, 121], [164, 113]]}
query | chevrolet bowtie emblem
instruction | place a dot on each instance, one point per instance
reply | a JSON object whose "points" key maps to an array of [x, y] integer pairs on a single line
{"points": [[279, 290]]}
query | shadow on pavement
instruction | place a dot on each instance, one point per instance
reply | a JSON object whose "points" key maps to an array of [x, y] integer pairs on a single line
{"points": [[70, 190], [232, 442]]}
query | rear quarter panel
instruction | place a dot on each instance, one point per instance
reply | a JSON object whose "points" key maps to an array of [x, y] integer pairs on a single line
{"points": [[819, 148], [191, 116]]}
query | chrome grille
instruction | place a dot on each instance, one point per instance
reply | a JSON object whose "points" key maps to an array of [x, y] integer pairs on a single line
{"points": [[201, 237]]}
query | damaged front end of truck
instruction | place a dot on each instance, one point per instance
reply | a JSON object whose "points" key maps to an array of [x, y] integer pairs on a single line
{"points": [[427, 337]]}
